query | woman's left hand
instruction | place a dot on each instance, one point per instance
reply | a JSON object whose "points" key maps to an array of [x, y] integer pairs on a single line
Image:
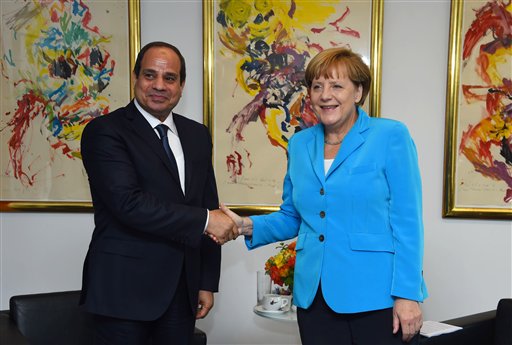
{"points": [[407, 316]]}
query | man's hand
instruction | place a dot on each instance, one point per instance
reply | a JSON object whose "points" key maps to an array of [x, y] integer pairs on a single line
{"points": [[204, 303], [221, 228], [407, 315], [244, 224]]}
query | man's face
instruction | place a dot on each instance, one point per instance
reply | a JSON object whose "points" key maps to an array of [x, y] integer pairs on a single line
{"points": [[158, 87]]}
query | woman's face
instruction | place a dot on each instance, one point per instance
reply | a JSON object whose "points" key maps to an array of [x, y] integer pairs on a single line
{"points": [[334, 99]]}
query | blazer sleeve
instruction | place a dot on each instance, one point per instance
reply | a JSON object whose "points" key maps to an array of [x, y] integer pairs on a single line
{"points": [[405, 214], [210, 251], [281, 225]]}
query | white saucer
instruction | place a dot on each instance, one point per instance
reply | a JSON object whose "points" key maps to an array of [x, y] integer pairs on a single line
{"points": [[259, 308]]}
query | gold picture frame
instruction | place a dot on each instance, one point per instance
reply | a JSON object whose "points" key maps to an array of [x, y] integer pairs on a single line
{"points": [[239, 41], [477, 166], [62, 63]]}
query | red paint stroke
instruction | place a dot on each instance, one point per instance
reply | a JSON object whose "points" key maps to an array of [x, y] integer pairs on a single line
{"points": [[105, 60], [234, 165], [471, 96], [249, 113], [54, 16], [317, 30], [87, 19], [350, 32], [85, 56], [347, 31], [28, 107], [340, 19], [112, 66], [248, 156], [493, 17], [508, 195], [315, 46]]}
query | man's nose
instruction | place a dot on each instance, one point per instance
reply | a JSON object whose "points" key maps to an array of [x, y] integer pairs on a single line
{"points": [[158, 83]]}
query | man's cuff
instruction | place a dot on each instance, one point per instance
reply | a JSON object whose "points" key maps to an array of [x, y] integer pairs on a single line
{"points": [[207, 219]]}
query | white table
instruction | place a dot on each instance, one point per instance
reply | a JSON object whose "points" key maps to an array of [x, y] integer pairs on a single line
{"points": [[290, 316]]}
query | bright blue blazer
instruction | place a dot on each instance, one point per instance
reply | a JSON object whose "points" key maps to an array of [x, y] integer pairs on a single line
{"points": [[359, 227]]}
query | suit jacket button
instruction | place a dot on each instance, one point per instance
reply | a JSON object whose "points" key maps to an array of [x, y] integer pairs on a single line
{"points": [[322, 214], [321, 238], [322, 192]]}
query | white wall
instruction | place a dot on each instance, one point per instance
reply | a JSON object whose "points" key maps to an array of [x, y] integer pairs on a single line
{"points": [[468, 263]]}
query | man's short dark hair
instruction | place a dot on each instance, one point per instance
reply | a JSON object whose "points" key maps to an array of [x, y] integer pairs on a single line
{"points": [[142, 52]]}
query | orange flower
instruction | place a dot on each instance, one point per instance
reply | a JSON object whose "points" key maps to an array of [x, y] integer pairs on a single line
{"points": [[281, 266]]}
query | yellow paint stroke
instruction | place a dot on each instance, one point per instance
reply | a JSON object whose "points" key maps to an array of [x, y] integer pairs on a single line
{"points": [[273, 130]]}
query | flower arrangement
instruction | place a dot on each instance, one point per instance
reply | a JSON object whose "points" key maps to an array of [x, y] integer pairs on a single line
{"points": [[280, 267]]}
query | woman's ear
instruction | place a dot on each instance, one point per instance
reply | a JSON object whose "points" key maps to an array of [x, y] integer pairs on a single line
{"points": [[359, 94]]}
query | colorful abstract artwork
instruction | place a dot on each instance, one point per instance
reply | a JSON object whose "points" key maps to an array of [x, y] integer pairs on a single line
{"points": [[63, 63], [483, 147], [258, 100]]}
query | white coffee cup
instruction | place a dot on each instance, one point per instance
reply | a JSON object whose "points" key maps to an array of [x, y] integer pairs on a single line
{"points": [[274, 302], [288, 306]]}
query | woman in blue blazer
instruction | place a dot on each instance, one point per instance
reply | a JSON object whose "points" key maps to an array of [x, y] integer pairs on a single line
{"points": [[352, 196]]}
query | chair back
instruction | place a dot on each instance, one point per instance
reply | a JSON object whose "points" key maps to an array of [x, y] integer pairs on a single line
{"points": [[52, 318], [503, 325]]}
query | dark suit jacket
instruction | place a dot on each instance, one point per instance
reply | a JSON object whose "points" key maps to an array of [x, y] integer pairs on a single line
{"points": [[146, 230]]}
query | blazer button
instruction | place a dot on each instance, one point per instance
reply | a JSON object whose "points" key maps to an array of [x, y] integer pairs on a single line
{"points": [[322, 192], [322, 214], [321, 238]]}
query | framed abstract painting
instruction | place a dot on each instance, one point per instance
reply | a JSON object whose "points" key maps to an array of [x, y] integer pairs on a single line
{"points": [[478, 139], [255, 97], [63, 63]]}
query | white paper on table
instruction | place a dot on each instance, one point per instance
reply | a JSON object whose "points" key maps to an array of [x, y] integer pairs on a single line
{"points": [[433, 328]]}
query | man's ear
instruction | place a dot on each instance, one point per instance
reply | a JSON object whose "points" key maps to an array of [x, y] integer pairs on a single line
{"points": [[132, 80]]}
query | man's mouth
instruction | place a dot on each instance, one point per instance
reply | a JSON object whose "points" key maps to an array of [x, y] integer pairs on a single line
{"points": [[158, 98]]}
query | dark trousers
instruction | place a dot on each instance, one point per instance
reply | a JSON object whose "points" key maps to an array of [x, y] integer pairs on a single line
{"points": [[175, 326], [320, 325]]}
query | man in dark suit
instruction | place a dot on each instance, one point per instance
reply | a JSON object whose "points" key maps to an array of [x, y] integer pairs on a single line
{"points": [[151, 268]]}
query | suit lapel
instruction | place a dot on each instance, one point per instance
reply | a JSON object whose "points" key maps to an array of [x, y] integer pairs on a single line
{"points": [[143, 130], [352, 140], [316, 152]]}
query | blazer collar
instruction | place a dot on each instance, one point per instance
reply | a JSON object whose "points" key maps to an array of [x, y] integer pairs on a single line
{"points": [[351, 142]]}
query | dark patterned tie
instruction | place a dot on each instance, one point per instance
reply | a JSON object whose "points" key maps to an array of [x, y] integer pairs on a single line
{"points": [[162, 131]]}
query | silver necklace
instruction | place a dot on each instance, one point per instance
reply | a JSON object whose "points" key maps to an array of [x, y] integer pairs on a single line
{"points": [[332, 142]]}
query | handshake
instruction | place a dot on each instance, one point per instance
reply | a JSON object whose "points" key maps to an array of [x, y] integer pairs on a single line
{"points": [[225, 225]]}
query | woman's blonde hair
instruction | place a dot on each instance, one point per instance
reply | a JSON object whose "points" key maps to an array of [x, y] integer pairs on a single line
{"points": [[334, 59]]}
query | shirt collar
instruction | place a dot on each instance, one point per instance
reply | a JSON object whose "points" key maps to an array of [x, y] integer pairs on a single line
{"points": [[153, 121]]}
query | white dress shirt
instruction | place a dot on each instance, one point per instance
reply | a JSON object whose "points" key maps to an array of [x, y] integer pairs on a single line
{"points": [[327, 164], [173, 138], [174, 143]]}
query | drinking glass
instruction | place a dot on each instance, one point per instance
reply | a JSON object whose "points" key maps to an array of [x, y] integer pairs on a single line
{"points": [[263, 285]]}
